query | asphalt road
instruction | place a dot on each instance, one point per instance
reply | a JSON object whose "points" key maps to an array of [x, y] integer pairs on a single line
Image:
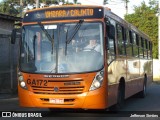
{"points": [[148, 106]]}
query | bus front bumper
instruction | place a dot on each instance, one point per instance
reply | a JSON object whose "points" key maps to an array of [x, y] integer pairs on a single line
{"points": [[88, 100]]}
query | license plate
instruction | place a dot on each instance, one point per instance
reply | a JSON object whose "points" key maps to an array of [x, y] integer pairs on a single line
{"points": [[56, 100]]}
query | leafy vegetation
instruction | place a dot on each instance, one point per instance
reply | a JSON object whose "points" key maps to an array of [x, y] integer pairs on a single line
{"points": [[145, 18], [7, 7], [15, 8]]}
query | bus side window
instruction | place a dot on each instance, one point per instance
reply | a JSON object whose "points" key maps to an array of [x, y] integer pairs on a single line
{"points": [[120, 40], [141, 54], [149, 50], [128, 43], [146, 49], [124, 39], [111, 40], [135, 46]]}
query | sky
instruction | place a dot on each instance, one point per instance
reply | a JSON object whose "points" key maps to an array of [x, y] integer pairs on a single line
{"points": [[116, 6]]}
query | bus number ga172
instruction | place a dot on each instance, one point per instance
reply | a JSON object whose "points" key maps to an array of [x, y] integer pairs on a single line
{"points": [[37, 82]]}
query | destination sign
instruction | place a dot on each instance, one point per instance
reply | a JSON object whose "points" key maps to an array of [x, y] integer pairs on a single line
{"points": [[63, 13], [69, 13]]}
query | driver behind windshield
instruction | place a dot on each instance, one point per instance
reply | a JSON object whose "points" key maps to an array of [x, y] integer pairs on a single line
{"points": [[93, 44]]}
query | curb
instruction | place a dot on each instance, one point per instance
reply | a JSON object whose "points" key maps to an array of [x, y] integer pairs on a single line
{"points": [[8, 99], [4, 97]]}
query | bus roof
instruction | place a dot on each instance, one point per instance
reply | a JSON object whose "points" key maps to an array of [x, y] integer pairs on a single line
{"points": [[65, 6], [68, 12], [64, 13]]}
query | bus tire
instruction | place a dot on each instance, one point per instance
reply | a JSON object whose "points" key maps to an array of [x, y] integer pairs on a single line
{"points": [[142, 94], [120, 98]]}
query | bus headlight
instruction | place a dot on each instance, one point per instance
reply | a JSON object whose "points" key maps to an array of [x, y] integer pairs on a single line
{"points": [[97, 82], [21, 81], [22, 84]]}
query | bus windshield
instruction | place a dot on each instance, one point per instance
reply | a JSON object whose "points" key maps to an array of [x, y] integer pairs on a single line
{"points": [[62, 48]]}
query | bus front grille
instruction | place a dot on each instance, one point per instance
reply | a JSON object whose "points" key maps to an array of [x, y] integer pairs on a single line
{"points": [[58, 90]]}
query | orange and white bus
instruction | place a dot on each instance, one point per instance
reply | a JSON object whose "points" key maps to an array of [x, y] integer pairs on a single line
{"points": [[81, 57]]}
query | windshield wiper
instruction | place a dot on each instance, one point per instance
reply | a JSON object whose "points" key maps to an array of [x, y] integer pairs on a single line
{"points": [[76, 28], [34, 44], [47, 34]]}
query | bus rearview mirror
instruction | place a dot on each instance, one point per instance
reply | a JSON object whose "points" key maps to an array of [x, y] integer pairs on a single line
{"points": [[13, 36], [111, 34]]}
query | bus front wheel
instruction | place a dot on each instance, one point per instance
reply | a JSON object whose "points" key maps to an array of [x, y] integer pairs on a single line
{"points": [[120, 98], [142, 94]]}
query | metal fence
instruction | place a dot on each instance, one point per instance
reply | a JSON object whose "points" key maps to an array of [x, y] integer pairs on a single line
{"points": [[8, 64]]}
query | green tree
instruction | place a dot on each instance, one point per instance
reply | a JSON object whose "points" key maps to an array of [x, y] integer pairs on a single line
{"points": [[8, 7], [15, 8], [145, 19], [105, 2], [75, 1]]}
